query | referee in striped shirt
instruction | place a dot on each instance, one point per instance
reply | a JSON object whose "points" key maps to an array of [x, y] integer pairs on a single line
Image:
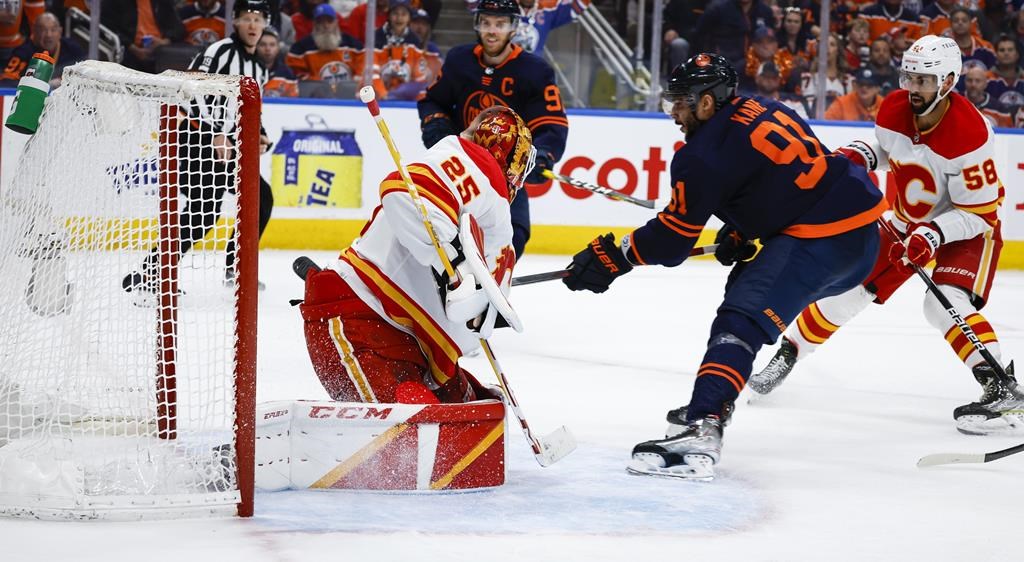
{"points": [[205, 151]]}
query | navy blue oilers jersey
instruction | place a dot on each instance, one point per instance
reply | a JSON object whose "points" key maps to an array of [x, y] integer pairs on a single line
{"points": [[466, 86], [757, 166]]}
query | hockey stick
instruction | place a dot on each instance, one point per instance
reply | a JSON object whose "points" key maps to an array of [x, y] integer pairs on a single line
{"points": [[966, 458], [965, 328], [600, 190], [548, 449], [563, 273]]}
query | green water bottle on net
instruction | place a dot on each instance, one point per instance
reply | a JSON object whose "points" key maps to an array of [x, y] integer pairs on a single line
{"points": [[32, 91]]}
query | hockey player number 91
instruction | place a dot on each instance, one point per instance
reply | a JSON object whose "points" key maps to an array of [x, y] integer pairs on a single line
{"points": [[798, 144]]}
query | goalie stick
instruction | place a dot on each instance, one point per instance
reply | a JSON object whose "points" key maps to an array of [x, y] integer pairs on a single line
{"points": [[547, 449], [600, 190], [967, 458], [563, 273]]}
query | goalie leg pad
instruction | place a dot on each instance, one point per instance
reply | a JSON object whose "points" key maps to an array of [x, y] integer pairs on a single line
{"points": [[326, 445], [356, 354]]}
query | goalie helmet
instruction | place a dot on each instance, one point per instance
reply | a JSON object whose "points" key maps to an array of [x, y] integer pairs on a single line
{"points": [[502, 133], [933, 56], [703, 73]]}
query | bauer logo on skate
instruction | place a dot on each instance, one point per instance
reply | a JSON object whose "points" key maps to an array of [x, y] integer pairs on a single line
{"points": [[349, 412]]}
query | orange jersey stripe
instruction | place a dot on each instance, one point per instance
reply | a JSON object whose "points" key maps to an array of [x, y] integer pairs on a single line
{"points": [[548, 120], [837, 227], [724, 371]]}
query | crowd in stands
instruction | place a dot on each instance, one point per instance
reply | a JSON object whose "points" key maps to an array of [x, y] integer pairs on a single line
{"points": [[320, 48], [773, 45]]}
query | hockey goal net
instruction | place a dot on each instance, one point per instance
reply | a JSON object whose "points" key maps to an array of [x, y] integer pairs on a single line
{"points": [[127, 354]]}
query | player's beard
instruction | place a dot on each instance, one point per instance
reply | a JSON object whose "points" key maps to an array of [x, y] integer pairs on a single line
{"points": [[502, 46], [327, 40], [689, 125], [919, 103]]}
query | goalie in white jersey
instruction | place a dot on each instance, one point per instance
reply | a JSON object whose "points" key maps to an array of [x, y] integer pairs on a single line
{"points": [[948, 193], [382, 323]]}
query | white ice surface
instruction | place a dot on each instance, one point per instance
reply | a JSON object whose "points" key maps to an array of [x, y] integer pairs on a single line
{"points": [[822, 470]]}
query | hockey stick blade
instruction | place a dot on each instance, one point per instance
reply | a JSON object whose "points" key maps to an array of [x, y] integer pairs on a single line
{"points": [[303, 265], [967, 458], [600, 190], [555, 446]]}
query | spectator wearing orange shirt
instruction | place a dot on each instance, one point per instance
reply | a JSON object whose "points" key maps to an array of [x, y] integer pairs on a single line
{"points": [[764, 48], [862, 103], [887, 14], [355, 23], [12, 16], [46, 36], [327, 53], [204, 22], [794, 34]]}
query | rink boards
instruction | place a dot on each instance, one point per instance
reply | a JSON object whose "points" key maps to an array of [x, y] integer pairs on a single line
{"points": [[628, 151]]}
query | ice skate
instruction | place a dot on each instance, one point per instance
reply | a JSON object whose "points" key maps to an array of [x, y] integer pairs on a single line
{"points": [[690, 455], [677, 419], [776, 371], [1000, 409]]}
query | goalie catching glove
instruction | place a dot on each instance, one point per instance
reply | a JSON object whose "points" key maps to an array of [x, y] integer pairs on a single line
{"points": [[923, 239], [600, 263], [478, 300]]}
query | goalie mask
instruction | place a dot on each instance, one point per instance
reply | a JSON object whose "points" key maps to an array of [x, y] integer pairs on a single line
{"points": [[501, 132], [925, 67]]}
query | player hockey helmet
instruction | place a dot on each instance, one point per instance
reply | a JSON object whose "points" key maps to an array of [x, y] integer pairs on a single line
{"points": [[501, 132], [933, 56], [259, 6], [509, 8], [704, 73]]}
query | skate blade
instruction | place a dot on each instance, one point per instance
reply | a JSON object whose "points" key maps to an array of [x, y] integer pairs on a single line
{"points": [[755, 397], [698, 467], [1006, 424]]}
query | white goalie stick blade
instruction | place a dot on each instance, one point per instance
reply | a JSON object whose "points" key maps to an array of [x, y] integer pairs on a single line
{"points": [[967, 458], [555, 446], [697, 467]]}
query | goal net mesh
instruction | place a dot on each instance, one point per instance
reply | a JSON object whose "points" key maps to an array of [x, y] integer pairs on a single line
{"points": [[118, 310]]}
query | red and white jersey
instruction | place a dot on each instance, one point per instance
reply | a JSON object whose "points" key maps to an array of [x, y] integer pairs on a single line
{"points": [[391, 265], [947, 174]]}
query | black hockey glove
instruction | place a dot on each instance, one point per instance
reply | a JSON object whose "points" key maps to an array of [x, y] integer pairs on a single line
{"points": [[597, 265], [733, 246], [436, 129], [544, 161]]}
